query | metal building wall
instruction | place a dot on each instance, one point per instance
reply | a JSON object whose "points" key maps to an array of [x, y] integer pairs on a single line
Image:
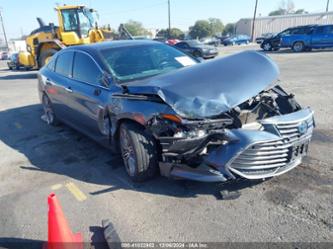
{"points": [[275, 24]]}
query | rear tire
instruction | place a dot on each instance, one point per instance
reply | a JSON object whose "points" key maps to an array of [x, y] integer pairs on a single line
{"points": [[139, 152], [45, 55], [298, 47], [49, 116]]}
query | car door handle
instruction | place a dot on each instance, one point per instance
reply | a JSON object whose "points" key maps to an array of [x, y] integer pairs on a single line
{"points": [[68, 89], [97, 92]]}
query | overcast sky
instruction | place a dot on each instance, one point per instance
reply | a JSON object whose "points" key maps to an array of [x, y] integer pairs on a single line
{"points": [[20, 15]]}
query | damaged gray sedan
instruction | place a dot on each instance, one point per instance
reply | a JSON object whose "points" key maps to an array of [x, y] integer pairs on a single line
{"points": [[166, 112]]}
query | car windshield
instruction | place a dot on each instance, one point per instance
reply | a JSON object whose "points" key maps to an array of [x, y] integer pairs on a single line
{"points": [[285, 32], [142, 61]]}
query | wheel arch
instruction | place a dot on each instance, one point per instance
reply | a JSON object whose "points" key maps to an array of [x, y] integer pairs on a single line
{"points": [[296, 41], [121, 121]]}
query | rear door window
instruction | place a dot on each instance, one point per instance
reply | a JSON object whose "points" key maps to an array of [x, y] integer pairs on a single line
{"points": [[64, 63], [86, 70]]}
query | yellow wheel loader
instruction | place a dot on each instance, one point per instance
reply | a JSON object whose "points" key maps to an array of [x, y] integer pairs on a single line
{"points": [[77, 25]]}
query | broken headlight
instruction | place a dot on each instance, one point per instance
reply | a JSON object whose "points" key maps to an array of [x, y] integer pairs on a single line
{"points": [[168, 125], [190, 134]]}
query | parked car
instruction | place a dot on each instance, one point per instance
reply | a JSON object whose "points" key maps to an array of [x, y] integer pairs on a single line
{"points": [[172, 41], [274, 42], [264, 36], [197, 49], [222, 38], [167, 112], [237, 39], [13, 62], [211, 41], [4, 55], [317, 36]]}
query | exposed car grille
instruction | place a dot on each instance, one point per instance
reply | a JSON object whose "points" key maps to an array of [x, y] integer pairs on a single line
{"points": [[290, 131], [265, 159]]}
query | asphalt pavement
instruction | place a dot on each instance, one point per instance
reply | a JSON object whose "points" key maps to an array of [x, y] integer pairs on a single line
{"points": [[92, 185]]}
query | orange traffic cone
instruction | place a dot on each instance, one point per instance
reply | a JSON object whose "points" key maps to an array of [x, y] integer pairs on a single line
{"points": [[59, 234]]}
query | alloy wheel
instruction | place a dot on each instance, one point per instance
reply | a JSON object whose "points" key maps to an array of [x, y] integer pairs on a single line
{"points": [[48, 111], [298, 47], [267, 47], [127, 152]]}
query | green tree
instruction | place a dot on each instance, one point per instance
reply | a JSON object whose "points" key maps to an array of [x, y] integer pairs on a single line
{"points": [[229, 29], [201, 29], [135, 28], [287, 8], [278, 12], [301, 11], [175, 33], [216, 26]]}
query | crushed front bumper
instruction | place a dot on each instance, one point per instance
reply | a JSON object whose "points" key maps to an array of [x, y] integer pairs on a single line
{"points": [[254, 154]]}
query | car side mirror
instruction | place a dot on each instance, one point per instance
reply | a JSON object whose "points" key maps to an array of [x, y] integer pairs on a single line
{"points": [[106, 80]]}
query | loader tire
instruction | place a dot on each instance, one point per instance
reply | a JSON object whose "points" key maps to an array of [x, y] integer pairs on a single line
{"points": [[45, 55]]}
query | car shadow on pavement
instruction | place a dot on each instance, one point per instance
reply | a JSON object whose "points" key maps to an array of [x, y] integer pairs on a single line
{"points": [[19, 243], [63, 151], [21, 76]]}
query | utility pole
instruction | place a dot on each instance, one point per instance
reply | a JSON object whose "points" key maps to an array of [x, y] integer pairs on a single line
{"points": [[3, 29], [328, 3], [169, 17], [254, 19]]}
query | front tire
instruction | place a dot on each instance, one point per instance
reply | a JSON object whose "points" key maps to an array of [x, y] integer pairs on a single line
{"points": [[267, 46], [139, 152]]}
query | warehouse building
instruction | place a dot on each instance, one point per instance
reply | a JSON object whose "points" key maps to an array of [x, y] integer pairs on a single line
{"points": [[275, 24]]}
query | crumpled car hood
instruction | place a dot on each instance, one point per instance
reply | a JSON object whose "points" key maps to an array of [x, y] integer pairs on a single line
{"points": [[211, 88]]}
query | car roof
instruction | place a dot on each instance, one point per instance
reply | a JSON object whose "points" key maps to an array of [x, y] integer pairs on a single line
{"points": [[112, 44], [304, 26]]}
